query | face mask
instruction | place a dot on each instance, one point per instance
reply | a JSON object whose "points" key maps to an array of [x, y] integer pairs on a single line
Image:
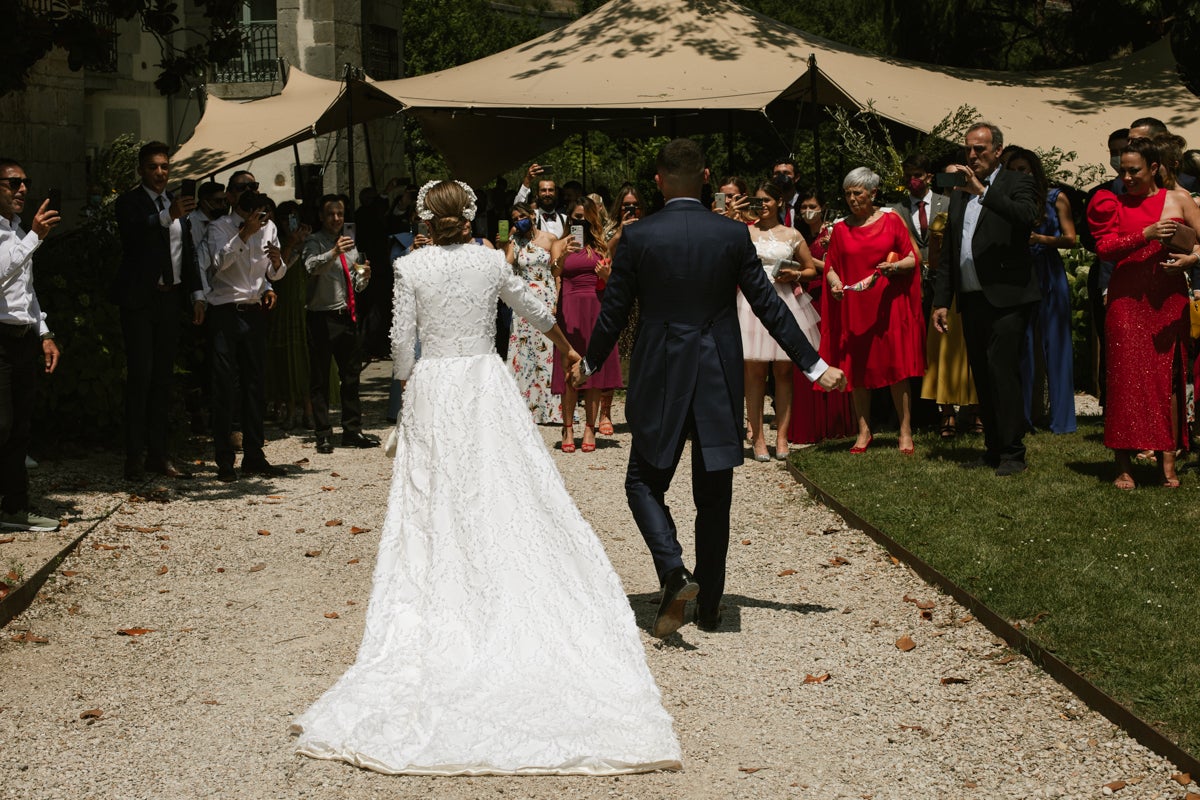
{"points": [[811, 213], [916, 185], [783, 181], [523, 225], [1115, 161], [293, 222]]}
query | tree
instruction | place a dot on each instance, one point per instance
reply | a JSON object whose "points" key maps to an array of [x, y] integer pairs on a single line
{"points": [[78, 28]]}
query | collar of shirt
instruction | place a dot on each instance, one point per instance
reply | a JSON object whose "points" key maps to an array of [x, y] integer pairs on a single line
{"points": [[927, 197], [683, 200], [155, 195]]}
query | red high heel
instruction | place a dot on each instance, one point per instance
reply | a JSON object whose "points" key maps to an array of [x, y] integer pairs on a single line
{"points": [[863, 449], [568, 442], [586, 446]]}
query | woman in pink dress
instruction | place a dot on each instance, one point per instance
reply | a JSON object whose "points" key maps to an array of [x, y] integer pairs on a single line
{"points": [[577, 313], [872, 326], [816, 415], [1145, 323]]}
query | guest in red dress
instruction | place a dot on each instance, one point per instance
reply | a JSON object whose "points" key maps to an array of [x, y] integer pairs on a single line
{"points": [[1145, 323], [871, 321], [577, 313], [816, 415]]}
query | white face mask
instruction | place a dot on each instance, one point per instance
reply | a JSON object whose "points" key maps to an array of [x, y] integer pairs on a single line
{"points": [[811, 213]]}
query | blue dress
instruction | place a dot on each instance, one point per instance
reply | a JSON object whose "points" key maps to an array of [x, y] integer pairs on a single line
{"points": [[1049, 330]]}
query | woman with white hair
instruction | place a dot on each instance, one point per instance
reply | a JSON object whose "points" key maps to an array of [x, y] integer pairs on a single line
{"points": [[871, 322]]}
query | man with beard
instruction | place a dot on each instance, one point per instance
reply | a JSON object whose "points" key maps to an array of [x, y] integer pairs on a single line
{"points": [[547, 217]]}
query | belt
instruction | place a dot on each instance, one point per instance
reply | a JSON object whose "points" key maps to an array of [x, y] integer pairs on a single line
{"points": [[170, 288], [343, 312], [12, 330], [249, 306]]}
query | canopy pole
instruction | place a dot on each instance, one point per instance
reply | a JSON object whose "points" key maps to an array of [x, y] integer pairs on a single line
{"points": [[816, 126], [350, 138], [583, 154], [370, 160]]}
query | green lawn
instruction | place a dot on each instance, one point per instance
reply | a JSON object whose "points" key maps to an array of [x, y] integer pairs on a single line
{"points": [[1115, 571]]}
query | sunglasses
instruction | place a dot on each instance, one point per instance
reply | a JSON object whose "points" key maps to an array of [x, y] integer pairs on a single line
{"points": [[242, 187], [15, 183]]}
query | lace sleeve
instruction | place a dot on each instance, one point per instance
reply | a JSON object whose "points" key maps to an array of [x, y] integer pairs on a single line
{"points": [[404, 325], [517, 296]]}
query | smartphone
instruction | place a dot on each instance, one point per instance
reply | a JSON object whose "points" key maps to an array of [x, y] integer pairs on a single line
{"points": [[188, 188], [55, 198], [422, 228], [577, 234], [948, 180], [719, 201], [502, 229], [351, 230], [628, 210], [546, 169], [756, 205]]}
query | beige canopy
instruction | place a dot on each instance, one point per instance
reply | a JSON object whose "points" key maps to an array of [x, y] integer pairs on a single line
{"points": [[680, 66], [232, 133]]}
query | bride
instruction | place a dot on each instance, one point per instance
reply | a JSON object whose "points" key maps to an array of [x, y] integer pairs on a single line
{"points": [[498, 637]]}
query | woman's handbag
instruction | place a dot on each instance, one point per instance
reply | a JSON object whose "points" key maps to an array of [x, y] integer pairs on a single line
{"points": [[1184, 240]]}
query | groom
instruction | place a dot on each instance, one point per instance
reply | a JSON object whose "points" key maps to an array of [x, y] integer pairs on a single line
{"points": [[684, 266]]}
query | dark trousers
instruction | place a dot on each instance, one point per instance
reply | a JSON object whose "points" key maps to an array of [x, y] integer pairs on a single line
{"points": [[332, 336], [712, 492], [238, 365], [151, 339], [21, 363], [994, 337]]}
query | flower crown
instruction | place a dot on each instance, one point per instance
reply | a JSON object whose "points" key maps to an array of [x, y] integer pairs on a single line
{"points": [[424, 213]]}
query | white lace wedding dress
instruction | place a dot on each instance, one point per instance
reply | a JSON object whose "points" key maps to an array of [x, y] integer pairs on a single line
{"points": [[498, 637]]}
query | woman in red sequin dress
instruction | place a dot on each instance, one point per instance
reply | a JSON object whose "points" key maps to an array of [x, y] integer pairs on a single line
{"points": [[872, 326], [1145, 321]]}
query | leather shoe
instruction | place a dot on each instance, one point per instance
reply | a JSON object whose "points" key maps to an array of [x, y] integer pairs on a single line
{"points": [[678, 587], [359, 439], [324, 445], [165, 467], [708, 621], [226, 474], [980, 463], [1010, 467], [262, 468]]}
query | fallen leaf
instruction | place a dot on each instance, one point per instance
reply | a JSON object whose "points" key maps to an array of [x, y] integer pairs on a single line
{"points": [[905, 643], [220, 569], [103, 546], [1038, 617], [312, 553], [594, 467], [745, 541], [164, 547], [12, 576], [1182, 778], [328, 488], [331, 615], [334, 475], [787, 572], [824, 676], [162, 570], [925, 604], [838, 561], [123, 528], [1115, 786], [299, 530], [259, 567], [1191, 796], [91, 713], [69, 573], [970, 784], [917, 728], [148, 529], [274, 497], [949, 680], [7, 539], [1008, 659], [749, 770], [186, 630], [264, 533], [355, 530], [135, 631], [352, 561], [72, 610], [895, 560], [351, 603], [30, 638], [966, 619], [210, 702], [162, 537], [4, 590], [301, 461], [332, 523]]}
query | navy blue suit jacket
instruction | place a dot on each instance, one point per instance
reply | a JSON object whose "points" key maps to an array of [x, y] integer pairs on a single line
{"points": [[684, 265]]}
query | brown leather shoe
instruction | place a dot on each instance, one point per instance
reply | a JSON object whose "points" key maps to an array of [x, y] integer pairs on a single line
{"points": [[168, 469]]}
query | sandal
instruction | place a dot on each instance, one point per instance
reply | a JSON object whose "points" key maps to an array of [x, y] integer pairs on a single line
{"points": [[949, 428], [977, 426], [587, 446], [568, 440], [605, 428], [1170, 483], [1125, 483]]}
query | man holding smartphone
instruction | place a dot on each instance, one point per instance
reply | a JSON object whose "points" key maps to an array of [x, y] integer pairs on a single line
{"points": [[546, 216], [156, 282], [336, 271], [987, 265], [245, 257]]}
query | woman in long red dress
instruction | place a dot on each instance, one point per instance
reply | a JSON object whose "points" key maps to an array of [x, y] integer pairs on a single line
{"points": [[816, 415], [871, 321], [1145, 319]]}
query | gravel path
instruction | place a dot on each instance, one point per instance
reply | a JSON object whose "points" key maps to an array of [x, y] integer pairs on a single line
{"points": [[255, 596]]}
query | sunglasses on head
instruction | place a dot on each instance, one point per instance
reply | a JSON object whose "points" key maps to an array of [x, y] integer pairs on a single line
{"points": [[242, 187], [15, 183]]}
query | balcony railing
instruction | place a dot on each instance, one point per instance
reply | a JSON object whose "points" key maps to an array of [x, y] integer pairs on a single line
{"points": [[104, 59], [259, 59]]}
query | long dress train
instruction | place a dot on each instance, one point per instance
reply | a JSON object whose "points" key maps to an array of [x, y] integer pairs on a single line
{"points": [[498, 637]]}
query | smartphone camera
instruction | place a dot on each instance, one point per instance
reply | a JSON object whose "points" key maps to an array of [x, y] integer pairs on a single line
{"points": [[629, 210], [756, 205], [948, 180]]}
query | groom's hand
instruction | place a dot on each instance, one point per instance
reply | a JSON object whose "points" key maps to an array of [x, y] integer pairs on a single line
{"points": [[832, 380]]}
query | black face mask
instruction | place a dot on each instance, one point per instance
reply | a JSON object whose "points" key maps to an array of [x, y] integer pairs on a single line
{"points": [[784, 181]]}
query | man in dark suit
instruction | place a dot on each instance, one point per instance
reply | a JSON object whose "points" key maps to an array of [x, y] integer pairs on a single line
{"points": [[157, 276], [684, 265], [918, 210], [987, 264]]}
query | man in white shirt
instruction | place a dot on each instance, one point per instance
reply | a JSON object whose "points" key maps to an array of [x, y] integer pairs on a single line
{"points": [[26, 345], [546, 216], [918, 210], [244, 248]]}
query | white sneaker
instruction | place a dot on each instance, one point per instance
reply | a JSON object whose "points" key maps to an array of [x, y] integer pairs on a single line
{"points": [[30, 463], [27, 521]]}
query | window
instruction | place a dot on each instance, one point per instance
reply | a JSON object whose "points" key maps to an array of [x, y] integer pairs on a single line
{"points": [[382, 56]]}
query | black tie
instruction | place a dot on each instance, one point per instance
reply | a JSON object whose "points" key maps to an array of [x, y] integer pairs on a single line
{"points": [[168, 273]]}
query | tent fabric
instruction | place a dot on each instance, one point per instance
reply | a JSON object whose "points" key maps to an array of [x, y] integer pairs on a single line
{"points": [[232, 133], [668, 66]]}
